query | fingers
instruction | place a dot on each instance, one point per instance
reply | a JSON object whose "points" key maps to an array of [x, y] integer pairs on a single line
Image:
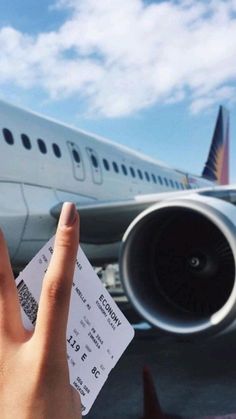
{"points": [[76, 402], [55, 296], [10, 317]]}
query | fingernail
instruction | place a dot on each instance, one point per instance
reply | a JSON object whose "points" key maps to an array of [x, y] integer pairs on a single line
{"points": [[68, 214]]}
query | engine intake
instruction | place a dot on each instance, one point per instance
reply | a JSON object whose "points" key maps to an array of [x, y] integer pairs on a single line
{"points": [[177, 265]]}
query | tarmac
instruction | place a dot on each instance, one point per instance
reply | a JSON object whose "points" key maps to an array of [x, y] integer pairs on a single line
{"points": [[191, 378]]}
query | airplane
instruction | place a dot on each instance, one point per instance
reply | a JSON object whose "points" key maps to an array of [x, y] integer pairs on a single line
{"points": [[172, 232]]}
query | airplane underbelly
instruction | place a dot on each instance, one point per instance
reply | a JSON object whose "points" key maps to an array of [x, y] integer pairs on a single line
{"points": [[40, 225], [13, 214]]}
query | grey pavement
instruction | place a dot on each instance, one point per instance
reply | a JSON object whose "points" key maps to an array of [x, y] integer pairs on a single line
{"points": [[192, 378]]}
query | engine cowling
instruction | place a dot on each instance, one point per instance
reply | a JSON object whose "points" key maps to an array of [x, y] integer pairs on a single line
{"points": [[177, 265]]}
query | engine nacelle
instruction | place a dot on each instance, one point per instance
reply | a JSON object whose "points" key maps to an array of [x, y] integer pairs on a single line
{"points": [[178, 262]]}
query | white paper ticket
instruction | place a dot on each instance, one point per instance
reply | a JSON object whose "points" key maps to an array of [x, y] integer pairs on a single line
{"points": [[97, 331]]}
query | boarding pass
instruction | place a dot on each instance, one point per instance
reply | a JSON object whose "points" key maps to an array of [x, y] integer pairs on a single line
{"points": [[97, 331]]}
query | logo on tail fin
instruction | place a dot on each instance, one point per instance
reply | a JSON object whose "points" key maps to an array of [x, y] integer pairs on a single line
{"points": [[217, 165]]}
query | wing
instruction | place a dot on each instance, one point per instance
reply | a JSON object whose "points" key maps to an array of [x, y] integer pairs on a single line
{"points": [[106, 222]]}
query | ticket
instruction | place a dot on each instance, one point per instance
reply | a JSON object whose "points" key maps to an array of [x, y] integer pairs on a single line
{"points": [[97, 331]]}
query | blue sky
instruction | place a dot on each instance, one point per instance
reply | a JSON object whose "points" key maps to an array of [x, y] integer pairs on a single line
{"points": [[147, 74]]}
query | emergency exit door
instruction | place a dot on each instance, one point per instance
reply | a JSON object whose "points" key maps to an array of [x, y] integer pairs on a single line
{"points": [[77, 161], [95, 166]]}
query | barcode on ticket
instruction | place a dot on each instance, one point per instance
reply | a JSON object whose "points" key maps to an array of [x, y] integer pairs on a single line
{"points": [[27, 301]]}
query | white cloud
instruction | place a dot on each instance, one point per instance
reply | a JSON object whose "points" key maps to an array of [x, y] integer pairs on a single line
{"points": [[220, 95], [123, 56]]}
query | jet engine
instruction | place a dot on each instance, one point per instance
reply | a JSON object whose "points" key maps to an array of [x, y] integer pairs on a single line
{"points": [[177, 265]]}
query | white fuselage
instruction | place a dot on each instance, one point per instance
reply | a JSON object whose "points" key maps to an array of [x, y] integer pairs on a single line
{"points": [[44, 163]]}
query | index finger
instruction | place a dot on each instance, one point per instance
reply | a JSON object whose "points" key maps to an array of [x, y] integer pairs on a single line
{"points": [[55, 296]]}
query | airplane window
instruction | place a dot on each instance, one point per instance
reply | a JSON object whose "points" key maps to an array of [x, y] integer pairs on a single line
{"points": [[42, 146], [56, 150], [124, 169], [132, 171], [154, 178], [160, 180], [147, 176], [106, 164], [140, 174], [8, 136], [76, 155], [166, 181], [94, 161], [115, 167], [26, 141], [172, 183]]}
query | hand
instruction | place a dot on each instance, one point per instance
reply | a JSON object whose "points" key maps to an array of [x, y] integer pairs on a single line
{"points": [[34, 376]]}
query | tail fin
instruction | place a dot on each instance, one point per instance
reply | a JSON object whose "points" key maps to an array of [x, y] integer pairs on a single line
{"points": [[217, 165]]}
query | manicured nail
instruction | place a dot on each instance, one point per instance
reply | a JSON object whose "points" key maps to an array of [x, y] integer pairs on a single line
{"points": [[68, 214]]}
